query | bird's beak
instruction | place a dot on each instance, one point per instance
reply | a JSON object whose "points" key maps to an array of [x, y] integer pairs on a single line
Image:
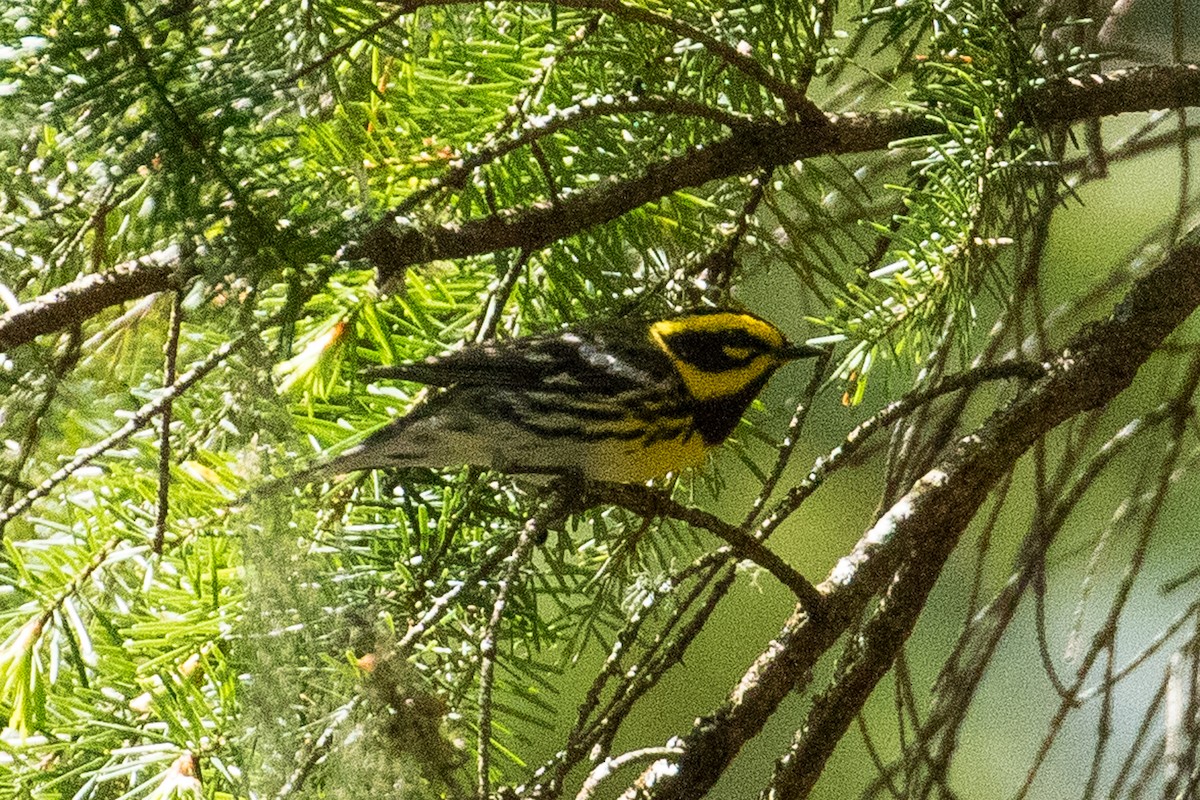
{"points": [[791, 352]]}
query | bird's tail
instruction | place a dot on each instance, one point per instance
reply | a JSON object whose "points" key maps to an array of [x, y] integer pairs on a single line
{"points": [[390, 446], [352, 460]]}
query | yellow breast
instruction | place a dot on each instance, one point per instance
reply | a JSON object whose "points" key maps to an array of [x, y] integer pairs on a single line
{"points": [[636, 461]]}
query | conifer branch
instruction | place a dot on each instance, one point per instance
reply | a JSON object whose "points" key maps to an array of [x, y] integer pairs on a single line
{"points": [[133, 424], [761, 145], [87, 296], [751, 147]]}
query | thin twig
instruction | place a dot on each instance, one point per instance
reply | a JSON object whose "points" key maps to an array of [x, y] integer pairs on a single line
{"points": [[661, 653], [531, 534], [790, 438], [885, 776], [716, 269], [316, 749], [63, 364], [610, 765], [441, 604], [360, 36], [136, 422], [1189, 614], [1149, 719], [171, 352], [584, 738], [886, 416], [648, 502], [498, 298]]}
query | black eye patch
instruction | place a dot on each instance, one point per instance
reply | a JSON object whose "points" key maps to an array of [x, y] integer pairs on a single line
{"points": [[716, 351]]}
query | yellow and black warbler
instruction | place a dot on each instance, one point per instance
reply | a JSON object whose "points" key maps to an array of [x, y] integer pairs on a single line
{"points": [[621, 401]]}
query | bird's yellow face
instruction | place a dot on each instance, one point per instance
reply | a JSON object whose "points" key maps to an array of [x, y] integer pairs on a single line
{"points": [[723, 353]]}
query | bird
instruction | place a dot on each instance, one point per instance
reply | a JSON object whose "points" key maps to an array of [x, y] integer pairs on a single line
{"points": [[622, 401]]}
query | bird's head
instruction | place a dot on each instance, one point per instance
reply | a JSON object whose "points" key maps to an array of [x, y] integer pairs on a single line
{"points": [[725, 354]]}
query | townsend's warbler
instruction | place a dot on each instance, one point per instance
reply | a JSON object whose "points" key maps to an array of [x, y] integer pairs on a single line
{"points": [[621, 401]]}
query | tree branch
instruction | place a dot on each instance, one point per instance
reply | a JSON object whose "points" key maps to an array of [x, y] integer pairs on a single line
{"points": [[905, 550], [1065, 101], [755, 146], [392, 248], [651, 503], [88, 296]]}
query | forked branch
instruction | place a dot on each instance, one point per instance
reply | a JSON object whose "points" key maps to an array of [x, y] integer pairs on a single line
{"points": [[905, 550]]}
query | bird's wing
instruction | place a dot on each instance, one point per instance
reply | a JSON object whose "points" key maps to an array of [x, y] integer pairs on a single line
{"points": [[605, 361]]}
